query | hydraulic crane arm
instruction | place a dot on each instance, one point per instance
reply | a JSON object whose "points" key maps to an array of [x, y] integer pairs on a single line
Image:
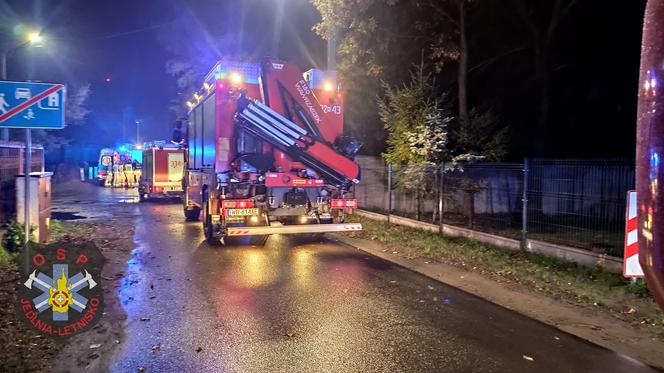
{"points": [[295, 141]]}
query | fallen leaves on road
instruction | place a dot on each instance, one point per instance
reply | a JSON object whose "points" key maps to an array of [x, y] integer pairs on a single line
{"points": [[96, 345]]}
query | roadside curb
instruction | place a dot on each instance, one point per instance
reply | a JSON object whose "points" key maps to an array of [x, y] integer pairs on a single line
{"points": [[609, 332]]}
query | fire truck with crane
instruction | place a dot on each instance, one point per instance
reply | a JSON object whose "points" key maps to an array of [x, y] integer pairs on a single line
{"points": [[266, 153]]}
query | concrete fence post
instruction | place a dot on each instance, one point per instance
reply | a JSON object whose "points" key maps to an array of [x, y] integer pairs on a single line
{"points": [[389, 192], [524, 205]]}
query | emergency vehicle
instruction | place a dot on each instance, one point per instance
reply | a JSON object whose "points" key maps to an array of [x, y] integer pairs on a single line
{"points": [[266, 153], [162, 171], [105, 164]]}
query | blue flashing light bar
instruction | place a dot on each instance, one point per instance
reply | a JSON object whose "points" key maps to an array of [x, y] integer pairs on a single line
{"points": [[250, 72], [317, 79]]}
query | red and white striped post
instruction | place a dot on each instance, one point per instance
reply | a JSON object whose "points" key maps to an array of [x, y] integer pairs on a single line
{"points": [[631, 266]]}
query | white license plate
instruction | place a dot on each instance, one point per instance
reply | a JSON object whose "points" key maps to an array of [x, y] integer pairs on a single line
{"points": [[242, 212]]}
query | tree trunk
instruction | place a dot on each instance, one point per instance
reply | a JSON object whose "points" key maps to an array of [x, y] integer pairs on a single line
{"points": [[542, 77], [463, 66], [419, 204]]}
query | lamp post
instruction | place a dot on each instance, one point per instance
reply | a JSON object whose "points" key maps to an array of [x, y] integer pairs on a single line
{"points": [[138, 125], [35, 40]]}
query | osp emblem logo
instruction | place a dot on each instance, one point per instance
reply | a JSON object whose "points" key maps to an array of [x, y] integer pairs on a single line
{"points": [[61, 292]]}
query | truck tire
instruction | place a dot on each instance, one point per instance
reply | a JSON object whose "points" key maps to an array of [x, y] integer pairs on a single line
{"points": [[192, 213], [209, 236], [208, 229]]}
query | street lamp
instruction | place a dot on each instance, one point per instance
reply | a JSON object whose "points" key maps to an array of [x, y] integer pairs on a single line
{"points": [[34, 39], [138, 124]]}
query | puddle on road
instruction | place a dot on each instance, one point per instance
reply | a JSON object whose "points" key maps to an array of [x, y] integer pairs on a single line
{"points": [[61, 215]]}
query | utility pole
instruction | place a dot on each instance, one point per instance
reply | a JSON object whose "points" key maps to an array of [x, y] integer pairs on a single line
{"points": [[3, 76], [332, 50]]}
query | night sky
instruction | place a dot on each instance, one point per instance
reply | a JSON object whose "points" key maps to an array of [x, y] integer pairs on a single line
{"points": [[594, 63], [131, 41]]}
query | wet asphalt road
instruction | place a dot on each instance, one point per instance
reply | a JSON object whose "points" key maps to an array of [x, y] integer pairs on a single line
{"points": [[304, 305]]}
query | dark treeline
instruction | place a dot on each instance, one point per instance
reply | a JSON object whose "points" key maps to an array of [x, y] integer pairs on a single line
{"points": [[560, 74]]}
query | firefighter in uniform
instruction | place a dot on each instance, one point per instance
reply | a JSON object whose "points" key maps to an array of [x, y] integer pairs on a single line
{"points": [[116, 175], [129, 176], [109, 176]]}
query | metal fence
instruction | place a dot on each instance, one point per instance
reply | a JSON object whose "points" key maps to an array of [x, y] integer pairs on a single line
{"points": [[578, 203]]}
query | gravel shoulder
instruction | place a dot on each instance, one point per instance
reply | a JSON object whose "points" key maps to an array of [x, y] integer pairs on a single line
{"points": [[89, 213]]}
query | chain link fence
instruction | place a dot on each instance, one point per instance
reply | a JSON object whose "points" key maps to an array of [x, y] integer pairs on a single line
{"points": [[577, 203]]}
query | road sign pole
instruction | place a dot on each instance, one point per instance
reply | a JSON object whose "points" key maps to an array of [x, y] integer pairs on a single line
{"points": [[26, 187]]}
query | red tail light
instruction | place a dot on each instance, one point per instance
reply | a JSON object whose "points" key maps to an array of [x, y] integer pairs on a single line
{"points": [[237, 203], [341, 203]]}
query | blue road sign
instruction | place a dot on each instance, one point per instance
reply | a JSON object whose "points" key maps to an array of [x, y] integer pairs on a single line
{"points": [[32, 105]]}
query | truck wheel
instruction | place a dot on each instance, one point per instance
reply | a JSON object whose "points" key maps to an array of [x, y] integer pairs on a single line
{"points": [[208, 229], [192, 213]]}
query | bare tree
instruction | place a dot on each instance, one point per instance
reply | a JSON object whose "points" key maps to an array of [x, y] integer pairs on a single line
{"points": [[542, 19], [75, 109]]}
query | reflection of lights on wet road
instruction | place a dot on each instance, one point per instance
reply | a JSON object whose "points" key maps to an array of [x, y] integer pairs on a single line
{"points": [[257, 268], [129, 200], [345, 274], [131, 288], [304, 266], [119, 195]]}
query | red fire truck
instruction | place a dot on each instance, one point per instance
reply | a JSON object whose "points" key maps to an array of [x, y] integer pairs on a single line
{"points": [[650, 151], [266, 153], [162, 171]]}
